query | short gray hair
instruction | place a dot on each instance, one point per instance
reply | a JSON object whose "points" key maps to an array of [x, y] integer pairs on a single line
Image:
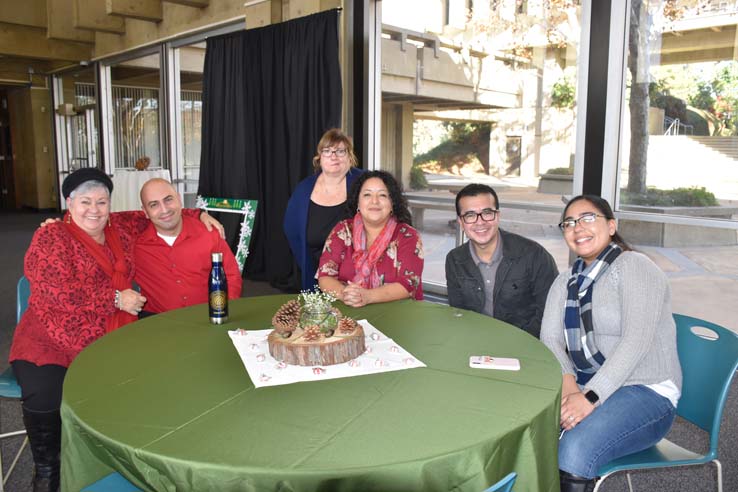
{"points": [[87, 186]]}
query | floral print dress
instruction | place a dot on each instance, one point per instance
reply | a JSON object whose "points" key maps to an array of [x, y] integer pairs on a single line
{"points": [[402, 262]]}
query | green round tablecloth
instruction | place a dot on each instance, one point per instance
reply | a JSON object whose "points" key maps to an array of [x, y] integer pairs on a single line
{"points": [[167, 402]]}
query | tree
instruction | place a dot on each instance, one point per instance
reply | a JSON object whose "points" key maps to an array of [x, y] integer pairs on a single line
{"points": [[718, 95], [638, 37], [640, 34]]}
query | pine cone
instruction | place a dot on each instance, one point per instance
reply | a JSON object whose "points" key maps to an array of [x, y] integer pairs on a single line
{"points": [[346, 325], [287, 317], [311, 333]]}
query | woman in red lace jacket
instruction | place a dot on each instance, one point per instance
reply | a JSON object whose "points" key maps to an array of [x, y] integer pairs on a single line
{"points": [[80, 271], [376, 256]]}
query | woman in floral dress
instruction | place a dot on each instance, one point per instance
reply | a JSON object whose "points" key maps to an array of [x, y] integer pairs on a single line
{"points": [[375, 256]]}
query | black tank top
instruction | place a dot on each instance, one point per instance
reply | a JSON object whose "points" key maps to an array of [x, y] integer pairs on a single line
{"points": [[321, 220]]}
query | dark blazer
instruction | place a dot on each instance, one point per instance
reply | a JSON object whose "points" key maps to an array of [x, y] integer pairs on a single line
{"points": [[295, 225], [523, 278]]}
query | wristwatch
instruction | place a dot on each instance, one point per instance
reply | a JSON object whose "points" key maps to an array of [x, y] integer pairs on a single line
{"points": [[592, 397]]}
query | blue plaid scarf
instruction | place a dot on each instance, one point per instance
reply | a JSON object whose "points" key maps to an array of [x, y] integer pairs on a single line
{"points": [[578, 326]]}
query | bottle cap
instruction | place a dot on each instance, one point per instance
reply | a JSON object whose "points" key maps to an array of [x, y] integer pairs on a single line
{"points": [[217, 257]]}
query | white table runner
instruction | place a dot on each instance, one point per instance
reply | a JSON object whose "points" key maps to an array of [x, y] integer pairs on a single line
{"points": [[382, 355]]}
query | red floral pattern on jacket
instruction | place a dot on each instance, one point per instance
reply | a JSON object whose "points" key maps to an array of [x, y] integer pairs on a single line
{"points": [[71, 297], [402, 261]]}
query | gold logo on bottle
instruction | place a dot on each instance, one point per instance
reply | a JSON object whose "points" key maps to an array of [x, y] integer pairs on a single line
{"points": [[218, 300]]}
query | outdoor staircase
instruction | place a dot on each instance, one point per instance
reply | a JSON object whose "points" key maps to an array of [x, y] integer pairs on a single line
{"points": [[686, 161]]}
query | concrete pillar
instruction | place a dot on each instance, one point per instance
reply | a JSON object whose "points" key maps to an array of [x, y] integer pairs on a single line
{"points": [[396, 153], [406, 143], [390, 156]]}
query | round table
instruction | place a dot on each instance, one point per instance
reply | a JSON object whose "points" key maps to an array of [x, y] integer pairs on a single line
{"points": [[167, 402]]}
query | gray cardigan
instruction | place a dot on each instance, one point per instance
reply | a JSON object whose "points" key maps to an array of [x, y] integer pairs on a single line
{"points": [[634, 328]]}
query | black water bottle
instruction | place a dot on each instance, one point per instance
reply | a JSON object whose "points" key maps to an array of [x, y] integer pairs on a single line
{"points": [[218, 291]]}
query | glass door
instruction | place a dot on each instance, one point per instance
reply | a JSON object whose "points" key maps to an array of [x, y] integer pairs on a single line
{"points": [[77, 141]]}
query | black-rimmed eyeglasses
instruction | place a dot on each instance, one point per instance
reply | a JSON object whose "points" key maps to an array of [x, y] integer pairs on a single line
{"points": [[326, 152], [570, 224], [487, 215]]}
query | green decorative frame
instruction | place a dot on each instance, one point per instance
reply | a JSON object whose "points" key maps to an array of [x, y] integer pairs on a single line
{"points": [[247, 208]]}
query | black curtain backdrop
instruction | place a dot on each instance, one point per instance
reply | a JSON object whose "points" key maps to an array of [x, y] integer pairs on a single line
{"points": [[268, 96]]}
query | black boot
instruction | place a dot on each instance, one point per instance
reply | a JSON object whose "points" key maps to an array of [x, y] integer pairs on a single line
{"points": [[44, 436], [573, 483]]}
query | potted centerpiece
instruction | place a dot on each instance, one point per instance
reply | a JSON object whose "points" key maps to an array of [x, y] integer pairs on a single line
{"points": [[310, 331]]}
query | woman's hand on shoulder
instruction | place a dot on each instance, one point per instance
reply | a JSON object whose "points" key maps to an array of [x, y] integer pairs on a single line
{"points": [[48, 221], [210, 222]]}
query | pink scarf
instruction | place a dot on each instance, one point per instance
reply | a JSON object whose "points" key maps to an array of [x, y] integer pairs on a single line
{"points": [[365, 262]]}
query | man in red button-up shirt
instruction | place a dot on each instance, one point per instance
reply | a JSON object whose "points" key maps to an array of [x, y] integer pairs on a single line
{"points": [[173, 255]]}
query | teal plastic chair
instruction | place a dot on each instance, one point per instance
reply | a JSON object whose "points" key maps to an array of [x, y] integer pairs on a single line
{"points": [[111, 483], [9, 389], [709, 357], [504, 485], [9, 385]]}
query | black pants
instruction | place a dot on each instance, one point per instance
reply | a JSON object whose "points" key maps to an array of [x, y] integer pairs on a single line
{"points": [[41, 386]]}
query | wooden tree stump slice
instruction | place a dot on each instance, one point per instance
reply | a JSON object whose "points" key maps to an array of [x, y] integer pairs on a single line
{"points": [[336, 349]]}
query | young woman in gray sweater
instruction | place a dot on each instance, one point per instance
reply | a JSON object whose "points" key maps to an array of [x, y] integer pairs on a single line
{"points": [[609, 323]]}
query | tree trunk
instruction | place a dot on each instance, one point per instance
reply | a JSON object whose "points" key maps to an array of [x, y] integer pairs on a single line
{"points": [[639, 102]]}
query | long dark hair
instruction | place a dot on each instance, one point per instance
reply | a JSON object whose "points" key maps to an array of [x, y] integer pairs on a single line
{"points": [[604, 209], [399, 203]]}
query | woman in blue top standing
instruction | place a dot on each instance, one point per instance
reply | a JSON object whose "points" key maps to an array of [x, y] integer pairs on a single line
{"points": [[319, 202]]}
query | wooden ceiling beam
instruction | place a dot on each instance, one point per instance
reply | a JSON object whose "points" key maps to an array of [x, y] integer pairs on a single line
{"points": [[23, 71], [191, 3], [147, 10], [61, 24], [32, 42], [26, 13], [92, 15]]}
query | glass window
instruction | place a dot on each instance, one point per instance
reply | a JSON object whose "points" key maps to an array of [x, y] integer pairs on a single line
{"points": [[680, 147], [135, 113], [678, 171], [191, 62], [480, 91], [75, 98]]}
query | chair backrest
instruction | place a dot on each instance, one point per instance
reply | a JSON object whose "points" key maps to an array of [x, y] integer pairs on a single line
{"points": [[708, 354], [234, 205], [23, 291], [504, 485]]}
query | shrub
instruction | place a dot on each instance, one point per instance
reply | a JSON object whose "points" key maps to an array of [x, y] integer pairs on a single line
{"points": [[465, 141], [417, 178], [678, 197], [567, 171], [563, 94]]}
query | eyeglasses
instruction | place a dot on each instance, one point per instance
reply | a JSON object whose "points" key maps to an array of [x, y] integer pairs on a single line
{"points": [[326, 152], [487, 215], [570, 224]]}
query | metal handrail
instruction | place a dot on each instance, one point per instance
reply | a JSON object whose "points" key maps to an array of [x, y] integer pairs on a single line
{"points": [[671, 129], [675, 127]]}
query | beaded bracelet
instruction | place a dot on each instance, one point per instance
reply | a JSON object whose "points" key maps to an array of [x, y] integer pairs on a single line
{"points": [[117, 299]]}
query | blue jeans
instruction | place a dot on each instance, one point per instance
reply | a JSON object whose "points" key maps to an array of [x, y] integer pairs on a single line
{"points": [[632, 419]]}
